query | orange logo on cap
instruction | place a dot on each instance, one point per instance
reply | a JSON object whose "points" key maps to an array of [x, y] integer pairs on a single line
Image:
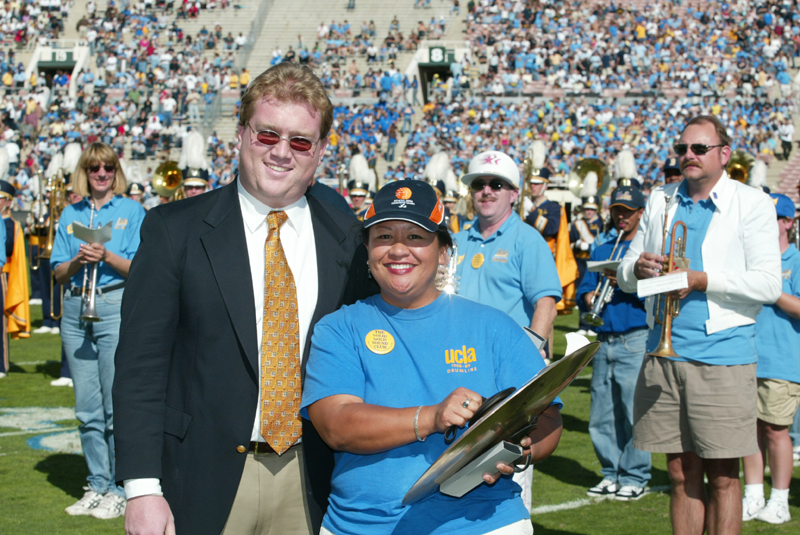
{"points": [[403, 193]]}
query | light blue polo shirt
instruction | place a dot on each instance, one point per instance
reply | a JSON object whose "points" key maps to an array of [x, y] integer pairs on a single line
{"points": [[517, 268], [777, 334], [728, 347], [126, 217]]}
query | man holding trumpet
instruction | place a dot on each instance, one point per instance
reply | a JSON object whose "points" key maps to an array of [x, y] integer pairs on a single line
{"points": [[620, 322], [698, 404]]}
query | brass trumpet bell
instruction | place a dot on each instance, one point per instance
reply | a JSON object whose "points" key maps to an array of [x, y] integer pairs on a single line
{"points": [[167, 179], [581, 170], [739, 165]]}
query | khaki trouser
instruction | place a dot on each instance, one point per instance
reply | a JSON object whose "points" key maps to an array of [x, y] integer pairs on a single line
{"points": [[271, 496]]}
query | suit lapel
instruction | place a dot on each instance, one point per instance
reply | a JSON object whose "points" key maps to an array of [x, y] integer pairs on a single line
{"points": [[332, 260], [226, 247]]}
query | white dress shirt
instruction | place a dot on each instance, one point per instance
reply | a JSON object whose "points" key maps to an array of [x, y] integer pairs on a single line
{"points": [[297, 239]]}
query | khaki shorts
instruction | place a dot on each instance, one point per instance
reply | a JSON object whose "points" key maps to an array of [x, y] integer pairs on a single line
{"points": [[688, 406], [777, 401]]}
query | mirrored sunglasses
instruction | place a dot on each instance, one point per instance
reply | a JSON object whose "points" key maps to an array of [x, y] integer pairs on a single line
{"points": [[495, 184], [697, 148]]}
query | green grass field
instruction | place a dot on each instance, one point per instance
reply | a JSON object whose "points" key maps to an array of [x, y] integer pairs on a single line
{"points": [[37, 484]]}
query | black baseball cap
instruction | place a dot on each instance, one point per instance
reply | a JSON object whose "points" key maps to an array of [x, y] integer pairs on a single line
{"points": [[627, 196], [671, 165], [414, 201]]}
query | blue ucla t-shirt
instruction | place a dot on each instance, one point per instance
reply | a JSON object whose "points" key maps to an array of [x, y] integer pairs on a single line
{"points": [[401, 358], [126, 217], [777, 334]]}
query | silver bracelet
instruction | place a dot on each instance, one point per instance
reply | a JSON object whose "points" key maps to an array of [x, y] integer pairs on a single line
{"points": [[416, 425]]}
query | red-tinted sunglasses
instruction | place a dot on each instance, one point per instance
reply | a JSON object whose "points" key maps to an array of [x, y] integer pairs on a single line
{"points": [[296, 143]]}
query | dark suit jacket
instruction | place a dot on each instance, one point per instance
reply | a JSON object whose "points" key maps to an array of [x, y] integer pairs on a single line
{"points": [[186, 384]]}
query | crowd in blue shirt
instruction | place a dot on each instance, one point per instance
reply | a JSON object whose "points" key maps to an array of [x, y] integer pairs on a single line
{"points": [[702, 48]]}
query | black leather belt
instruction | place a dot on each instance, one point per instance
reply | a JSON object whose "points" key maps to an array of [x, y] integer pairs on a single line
{"points": [[76, 291], [263, 447]]}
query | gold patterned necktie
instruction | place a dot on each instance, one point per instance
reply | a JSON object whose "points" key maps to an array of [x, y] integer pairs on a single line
{"points": [[280, 346]]}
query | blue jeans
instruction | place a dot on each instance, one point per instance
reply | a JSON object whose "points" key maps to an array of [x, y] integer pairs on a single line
{"points": [[90, 349], [616, 369]]}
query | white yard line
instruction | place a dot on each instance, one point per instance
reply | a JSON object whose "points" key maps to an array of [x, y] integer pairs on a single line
{"points": [[37, 431], [31, 362], [575, 504]]}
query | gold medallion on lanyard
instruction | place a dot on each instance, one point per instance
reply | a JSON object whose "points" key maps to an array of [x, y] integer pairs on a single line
{"points": [[477, 260]]}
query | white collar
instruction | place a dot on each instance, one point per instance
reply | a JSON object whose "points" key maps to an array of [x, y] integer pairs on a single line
{"points": [[254, 212]]}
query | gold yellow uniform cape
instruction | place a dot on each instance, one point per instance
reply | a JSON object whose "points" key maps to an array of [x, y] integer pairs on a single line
{"points": [[18, 311], [565, 265]]}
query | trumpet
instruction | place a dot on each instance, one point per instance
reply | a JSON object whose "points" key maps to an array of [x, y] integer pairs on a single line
{"points": [[603, 294], [668, 308], [89, 295]]}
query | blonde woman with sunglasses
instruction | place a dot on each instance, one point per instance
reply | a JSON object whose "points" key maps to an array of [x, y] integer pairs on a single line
{"points": [[90, 345]]}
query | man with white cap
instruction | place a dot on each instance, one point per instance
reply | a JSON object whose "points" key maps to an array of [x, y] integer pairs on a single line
{"points": [[502, 261]]}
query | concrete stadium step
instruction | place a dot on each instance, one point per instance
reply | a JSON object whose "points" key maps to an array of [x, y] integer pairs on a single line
{"points": [[282, 26]]}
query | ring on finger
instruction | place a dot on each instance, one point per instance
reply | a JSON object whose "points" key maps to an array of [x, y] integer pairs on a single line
{"points": [[465, 404]]}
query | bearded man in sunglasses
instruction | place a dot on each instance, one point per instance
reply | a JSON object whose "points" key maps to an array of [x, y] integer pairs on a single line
{"points": [[218, 313], [699, 407], [502, 261]]}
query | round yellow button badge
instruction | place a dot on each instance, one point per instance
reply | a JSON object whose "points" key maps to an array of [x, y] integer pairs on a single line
{"points": [[477, 260], [379, 342]]}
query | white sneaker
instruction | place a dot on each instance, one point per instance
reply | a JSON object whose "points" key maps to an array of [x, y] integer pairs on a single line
{"points": [[62, 381], [111, 506], [2, 374], [629, 493], [591, 333], [42, 330], [35, 302], [607, 487], [55, 330], [582, 332], [85, 505], [751, 507], [775, 513]]}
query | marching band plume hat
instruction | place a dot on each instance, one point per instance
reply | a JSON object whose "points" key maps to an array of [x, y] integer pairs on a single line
{"points": [[356, 187], [414, 201], [7, 189]]}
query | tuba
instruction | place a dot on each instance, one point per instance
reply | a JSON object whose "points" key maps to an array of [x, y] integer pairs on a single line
{"points": [[167, 180], [580, 170], [671, 306], [55, 205], [56, 185], [528, 172], [739, 165], [38, 223], [449, 282]]}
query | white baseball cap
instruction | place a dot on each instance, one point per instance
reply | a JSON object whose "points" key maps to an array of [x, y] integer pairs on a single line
{"points": [[492, 163]]}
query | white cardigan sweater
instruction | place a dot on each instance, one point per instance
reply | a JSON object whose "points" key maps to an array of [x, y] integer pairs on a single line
{"points": [[741, 255]]}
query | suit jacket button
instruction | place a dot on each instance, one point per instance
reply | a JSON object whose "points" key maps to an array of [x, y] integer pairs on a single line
{"points": [[241, 449]]}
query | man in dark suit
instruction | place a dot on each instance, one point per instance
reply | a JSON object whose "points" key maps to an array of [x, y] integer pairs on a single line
{"points": [[191, 375]]}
